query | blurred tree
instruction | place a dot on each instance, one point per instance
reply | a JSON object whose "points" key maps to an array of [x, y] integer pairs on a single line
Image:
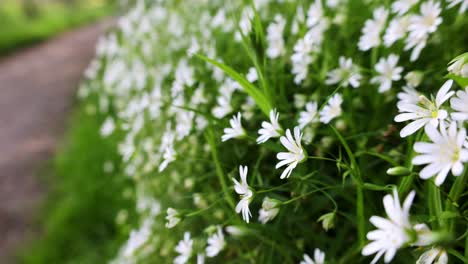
{"points": [[30, 8]]}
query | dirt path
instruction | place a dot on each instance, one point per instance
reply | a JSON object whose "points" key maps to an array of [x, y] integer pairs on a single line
{"points": [[36, 92]]}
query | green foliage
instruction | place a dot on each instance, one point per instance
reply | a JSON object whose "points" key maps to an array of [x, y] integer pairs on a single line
{"points": [[17, 30], [78, 219]]}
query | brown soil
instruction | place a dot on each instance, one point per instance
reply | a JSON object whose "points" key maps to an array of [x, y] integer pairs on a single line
{"points": [[37, 88]]}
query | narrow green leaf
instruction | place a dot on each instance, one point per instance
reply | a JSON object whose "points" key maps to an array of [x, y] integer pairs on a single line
{"points": [[253, 91]]}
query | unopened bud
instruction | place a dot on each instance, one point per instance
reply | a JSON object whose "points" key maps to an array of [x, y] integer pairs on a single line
{"points": [[328, 221], [398, 171]]}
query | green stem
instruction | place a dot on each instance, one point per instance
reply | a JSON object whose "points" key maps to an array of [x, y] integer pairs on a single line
{"points": [[360, 216], [466, 247], [219, 170], [356, 174], [454, 194], [435, 203]]}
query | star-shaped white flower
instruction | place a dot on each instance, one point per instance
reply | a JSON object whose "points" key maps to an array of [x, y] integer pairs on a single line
{"points": [[236, 130], [347, 74], [424, 112], [168, 157], [184, 248], [319, 258], [216, 243], [332, 110], [242, 188], [388, 71], [295, 155], [460, 105], [392, 233], [446, 153], [269, 129], [309, 116]]}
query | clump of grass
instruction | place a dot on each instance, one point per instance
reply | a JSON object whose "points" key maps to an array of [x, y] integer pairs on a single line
{"points": [[77, 223]]}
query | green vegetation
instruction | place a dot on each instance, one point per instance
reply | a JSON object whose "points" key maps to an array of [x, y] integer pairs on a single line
{"points": [[22, 25], [264, 131], [78, 218]]}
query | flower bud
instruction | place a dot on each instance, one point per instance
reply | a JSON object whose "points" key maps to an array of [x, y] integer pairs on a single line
{"points": [[269, 210], [398, 171], [459, 66], [414, 78], [328, 221]]}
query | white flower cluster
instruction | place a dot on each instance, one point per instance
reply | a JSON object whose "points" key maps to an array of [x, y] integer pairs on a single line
{"points": [[169, 109]]}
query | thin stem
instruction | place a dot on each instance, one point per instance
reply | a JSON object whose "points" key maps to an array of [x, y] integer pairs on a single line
{"points": [[435, 203], [307, 194], [454, 194], [320, 158], [219, 170]]}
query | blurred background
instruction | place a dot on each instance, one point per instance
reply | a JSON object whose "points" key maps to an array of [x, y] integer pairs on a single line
{"points": [[24, 22], [45, 46]]}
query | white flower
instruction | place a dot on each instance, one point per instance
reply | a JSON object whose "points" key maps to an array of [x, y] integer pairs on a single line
{"points": [[428, 21], [420, 26], [459, 66], [463, 6], [184, 248], [275, 38], [269, 210], [200, 259], [332, 109], [388, 71], [194, 47], [402, 6], [396, 30], [309, 116], [168, 156], [392, 233], [417, 44], [301, 59], [408, 96], [223, 107], [269, 130], [107, 127], [444, 154], [460, 105], [346, 74], [372, 29], [424, 112], [252, 75], [216, 243], [319, 258], [236, 130], [172, 218], [430, 256], [295, 155], [242, 188], [315, 13]]}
